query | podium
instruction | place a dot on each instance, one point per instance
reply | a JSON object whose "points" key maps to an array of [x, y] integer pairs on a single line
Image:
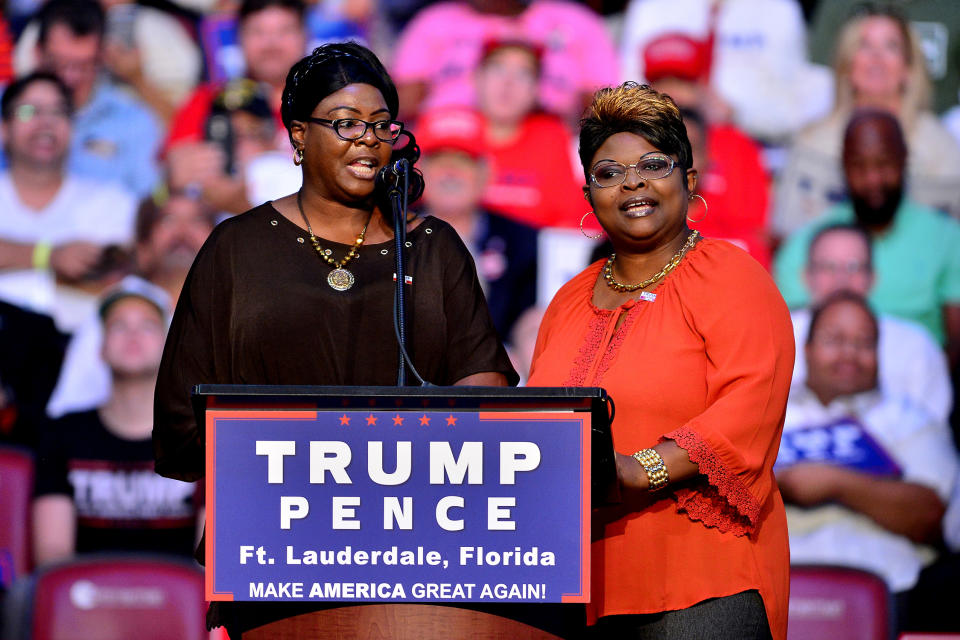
{"points": [[398, 622], [395, 512]]}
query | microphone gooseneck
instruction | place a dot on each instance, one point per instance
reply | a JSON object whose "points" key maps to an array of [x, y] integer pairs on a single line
{"points": [[396, 179]]}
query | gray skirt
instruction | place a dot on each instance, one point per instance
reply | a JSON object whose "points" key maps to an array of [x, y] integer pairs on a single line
{"points": [[737, 617]]}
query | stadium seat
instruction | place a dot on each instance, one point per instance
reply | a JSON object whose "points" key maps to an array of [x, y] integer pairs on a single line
{"points": [[16, 488], [838, 602], [109, 598]]}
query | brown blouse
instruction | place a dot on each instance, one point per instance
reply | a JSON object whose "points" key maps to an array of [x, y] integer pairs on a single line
{"points": [[256, 309]]}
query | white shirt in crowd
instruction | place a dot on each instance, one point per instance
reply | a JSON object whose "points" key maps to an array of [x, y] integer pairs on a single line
{"points": [[271, 175], [760, 67], [910, 362], [923, 449], [84, 381], [95, 212]]}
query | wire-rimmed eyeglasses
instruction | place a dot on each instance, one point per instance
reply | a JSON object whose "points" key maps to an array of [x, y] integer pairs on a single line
{"points": [[652, 166]]}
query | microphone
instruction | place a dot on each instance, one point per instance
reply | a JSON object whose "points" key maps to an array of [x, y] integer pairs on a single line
{"points": [[391, 174], [399, 168], [399, 177]]}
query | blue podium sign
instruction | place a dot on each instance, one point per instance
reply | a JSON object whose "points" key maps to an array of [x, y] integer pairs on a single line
{"points": [[398, 506]]}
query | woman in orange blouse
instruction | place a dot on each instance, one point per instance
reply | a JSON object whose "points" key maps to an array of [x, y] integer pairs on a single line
{"points": [[693, 342]]}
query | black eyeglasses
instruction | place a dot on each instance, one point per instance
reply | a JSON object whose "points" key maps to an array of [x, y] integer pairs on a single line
{"points": [[354, 128], [652, 166]]}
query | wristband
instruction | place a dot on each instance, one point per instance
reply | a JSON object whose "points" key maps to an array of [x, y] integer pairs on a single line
{"points": [[656, 469], [41, 255]]}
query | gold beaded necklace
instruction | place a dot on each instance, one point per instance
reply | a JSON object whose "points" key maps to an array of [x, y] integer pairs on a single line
{"points": [[670, 266], [339, 278]]}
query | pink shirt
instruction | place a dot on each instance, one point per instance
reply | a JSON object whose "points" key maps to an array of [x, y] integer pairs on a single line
{"points": [[443, 44]]}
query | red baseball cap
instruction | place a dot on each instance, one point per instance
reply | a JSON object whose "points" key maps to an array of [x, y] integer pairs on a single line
{"points": [[510, 38], [451, 129], [676, 55]]}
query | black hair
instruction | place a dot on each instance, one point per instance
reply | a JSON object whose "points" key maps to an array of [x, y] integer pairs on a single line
{"points": [[838, 297], [639, 109], [847, 227], [248, 7], [328, 69], [331, 67], [16, 88], [82, 17]]}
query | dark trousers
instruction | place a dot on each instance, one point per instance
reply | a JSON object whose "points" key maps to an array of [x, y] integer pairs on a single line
{"points": [[737, 617]]}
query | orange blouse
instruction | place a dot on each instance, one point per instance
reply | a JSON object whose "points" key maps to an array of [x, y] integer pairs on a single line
{"points": [[707, 363]]}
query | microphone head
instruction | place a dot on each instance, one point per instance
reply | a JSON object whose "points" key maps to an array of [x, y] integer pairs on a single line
{"points": [[393, 170], [390, 178]]}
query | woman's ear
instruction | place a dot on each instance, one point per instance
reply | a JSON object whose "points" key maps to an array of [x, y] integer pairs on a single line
{"points": [[297, 132], [586, 194], [692, 180]]}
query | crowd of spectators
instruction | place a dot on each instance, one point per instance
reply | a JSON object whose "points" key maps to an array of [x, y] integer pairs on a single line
{"points": [[827, 139]]}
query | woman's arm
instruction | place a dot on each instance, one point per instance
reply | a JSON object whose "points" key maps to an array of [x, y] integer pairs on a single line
{"points": [[197, 334], [635, 484], [633, 478], [729, 448], [485, 379]]}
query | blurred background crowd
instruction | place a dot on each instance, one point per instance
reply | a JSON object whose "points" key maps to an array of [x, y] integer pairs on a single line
{"points": [[827, 138]]}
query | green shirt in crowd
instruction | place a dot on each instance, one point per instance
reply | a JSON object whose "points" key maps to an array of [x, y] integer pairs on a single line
{"points": [[916, 262]]}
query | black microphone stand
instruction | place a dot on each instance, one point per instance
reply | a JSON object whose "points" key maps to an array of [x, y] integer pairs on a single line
{"points": [[399, 196], [398, 202]]}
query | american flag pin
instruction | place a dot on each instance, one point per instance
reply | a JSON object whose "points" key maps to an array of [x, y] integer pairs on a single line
{"points": [[649, 297], [406, 279]]}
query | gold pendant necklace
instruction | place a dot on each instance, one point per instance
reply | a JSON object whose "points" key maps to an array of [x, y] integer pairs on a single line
{"points": [[614, 284], [339, 279]]}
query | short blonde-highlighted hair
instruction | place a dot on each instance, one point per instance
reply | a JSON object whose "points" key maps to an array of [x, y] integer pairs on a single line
{"points": [[634, 108], [915, 95]]}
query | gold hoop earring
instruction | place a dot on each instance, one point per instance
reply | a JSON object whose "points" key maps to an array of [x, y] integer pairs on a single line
{"points": [[705, 207], [298, 156], [584, 232]]}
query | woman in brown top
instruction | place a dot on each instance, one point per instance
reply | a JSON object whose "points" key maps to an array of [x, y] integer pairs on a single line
{"points": [[300, 290]]}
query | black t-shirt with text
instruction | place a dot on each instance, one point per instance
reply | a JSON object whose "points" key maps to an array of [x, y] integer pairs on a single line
{"points": [[121, 503]]}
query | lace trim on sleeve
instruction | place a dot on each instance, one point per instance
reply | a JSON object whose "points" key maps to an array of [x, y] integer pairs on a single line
{"points": [[725, 503], [589, 349]]}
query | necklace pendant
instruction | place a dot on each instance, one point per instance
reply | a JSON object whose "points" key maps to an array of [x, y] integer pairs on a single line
{"points": [[340, 279]]}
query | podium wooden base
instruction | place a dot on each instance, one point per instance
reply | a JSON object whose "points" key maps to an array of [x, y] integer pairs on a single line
{"points": [[397, 622]]}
